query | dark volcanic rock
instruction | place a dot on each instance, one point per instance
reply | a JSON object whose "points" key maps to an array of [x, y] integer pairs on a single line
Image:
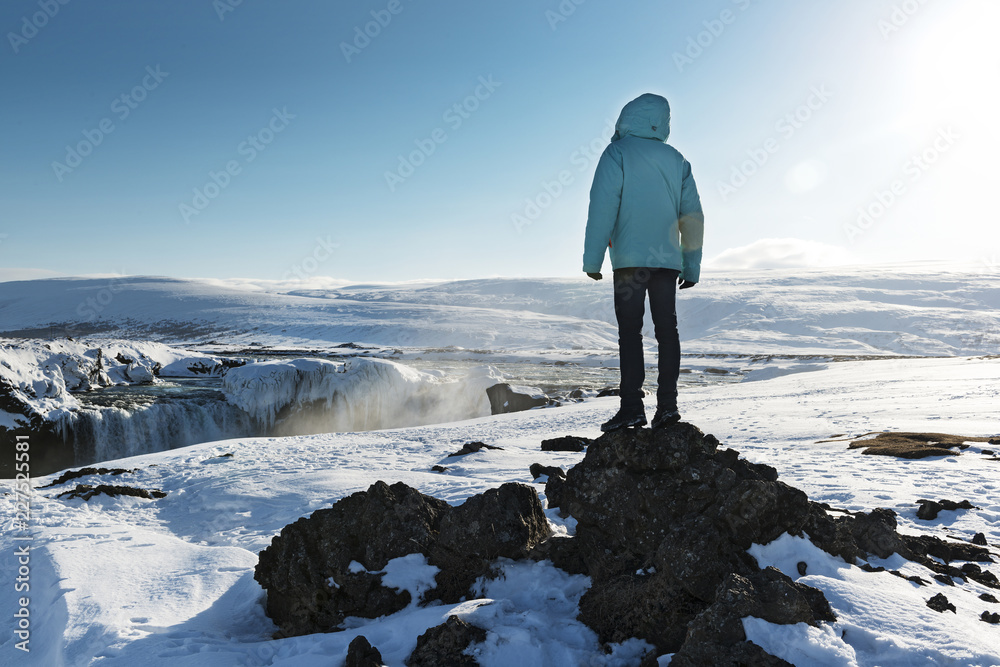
{"points": [[444, 645], [664, 520], [537, 470], [929, 509], [472, 448], [306, 570], [504, 399], [979, 539], [506, 522], [312, 586], [990, 617], [941, 604], [567, 443], [84, 472], [362, 654], [88, 491]]}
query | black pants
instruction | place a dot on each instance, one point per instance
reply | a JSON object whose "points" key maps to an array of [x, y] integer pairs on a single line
{"points": [[631, 287]]}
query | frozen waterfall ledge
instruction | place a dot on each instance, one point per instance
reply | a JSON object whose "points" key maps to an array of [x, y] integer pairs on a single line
{"points": [[300, 396]]}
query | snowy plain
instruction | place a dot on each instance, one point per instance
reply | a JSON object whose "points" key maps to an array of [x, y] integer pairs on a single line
{"points": [[125, 581]]}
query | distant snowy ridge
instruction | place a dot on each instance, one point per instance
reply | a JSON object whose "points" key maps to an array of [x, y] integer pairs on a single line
{"points": [[904, 310], [360, 394]]}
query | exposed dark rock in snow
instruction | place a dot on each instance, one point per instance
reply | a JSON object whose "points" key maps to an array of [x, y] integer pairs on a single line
{"points": [[84, 472], [504, 399], [566, 443], [472, 448], [48, 450], [990, 617], [664, 521], [87, 491], [306, 570], [979, 539], [505, 522], [941, 604], [989, 597], [537, 470], [929, 509], [444, 645], [308, 574], [362, 654]]}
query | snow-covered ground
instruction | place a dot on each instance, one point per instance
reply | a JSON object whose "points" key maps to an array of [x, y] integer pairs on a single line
{"points": [[131, 581], [125, 581]]}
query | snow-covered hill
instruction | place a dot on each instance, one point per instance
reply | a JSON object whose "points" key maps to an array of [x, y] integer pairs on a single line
{"points": [[900, 310]]}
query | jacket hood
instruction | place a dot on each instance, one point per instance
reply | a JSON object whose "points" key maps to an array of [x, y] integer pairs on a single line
{"points": [[647, 117]]}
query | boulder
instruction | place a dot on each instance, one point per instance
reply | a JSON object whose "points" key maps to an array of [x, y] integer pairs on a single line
{"points": [[566, 443], [328, 566], [504, 398], [307, 570], [445, 645], [362, 654]]}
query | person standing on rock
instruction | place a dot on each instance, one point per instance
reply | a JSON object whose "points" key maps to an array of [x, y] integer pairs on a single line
{"points": [[645, 208]]}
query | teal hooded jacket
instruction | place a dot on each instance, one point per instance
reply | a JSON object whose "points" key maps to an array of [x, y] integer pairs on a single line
{"points": [[644, 203]]}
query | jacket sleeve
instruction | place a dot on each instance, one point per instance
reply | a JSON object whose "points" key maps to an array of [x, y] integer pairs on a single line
{"points": [[692, 227], [605, 198]]}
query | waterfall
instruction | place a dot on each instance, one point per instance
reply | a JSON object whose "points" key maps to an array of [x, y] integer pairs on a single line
{"points": [[102, 433]]}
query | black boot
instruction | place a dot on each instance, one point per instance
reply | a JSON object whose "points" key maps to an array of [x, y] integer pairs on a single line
{"points": [[625, 418], [664, 417]]}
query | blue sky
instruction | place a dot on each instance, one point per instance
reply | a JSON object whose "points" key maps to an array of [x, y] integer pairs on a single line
{"points": [[253, 139]]}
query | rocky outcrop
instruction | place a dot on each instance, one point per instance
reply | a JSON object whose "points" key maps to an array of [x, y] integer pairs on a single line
{"points": [[328, 566], [664, 521]]}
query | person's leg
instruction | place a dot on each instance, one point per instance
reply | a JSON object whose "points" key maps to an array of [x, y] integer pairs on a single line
{"points": [[663, 306], [630, 307]]}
